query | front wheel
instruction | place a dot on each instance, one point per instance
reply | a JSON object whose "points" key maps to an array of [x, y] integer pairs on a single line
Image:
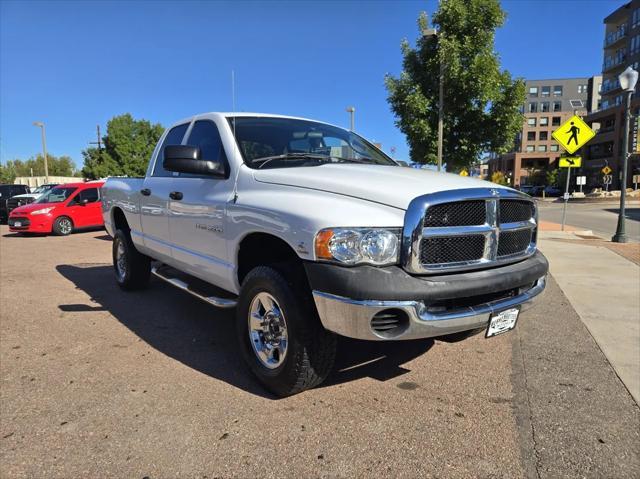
{"points": [[280, 335], [132, 268], [62, 226]]}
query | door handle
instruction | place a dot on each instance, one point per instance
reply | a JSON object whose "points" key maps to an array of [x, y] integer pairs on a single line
{"points": [[175, 195], [145, 191]]}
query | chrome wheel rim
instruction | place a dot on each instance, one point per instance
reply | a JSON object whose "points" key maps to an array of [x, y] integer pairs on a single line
{"points": [[65, 226], [121, 261], [268, 330]]}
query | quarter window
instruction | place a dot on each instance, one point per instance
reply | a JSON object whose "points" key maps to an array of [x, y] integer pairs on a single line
{"points": [[90, 194], [174, 137]]}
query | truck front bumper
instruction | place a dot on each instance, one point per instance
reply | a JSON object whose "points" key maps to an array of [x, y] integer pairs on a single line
{"points": [[388, 304]]}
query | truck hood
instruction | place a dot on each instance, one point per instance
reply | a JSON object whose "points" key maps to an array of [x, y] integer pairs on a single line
{"points": [[35, 196], [390, 185]]}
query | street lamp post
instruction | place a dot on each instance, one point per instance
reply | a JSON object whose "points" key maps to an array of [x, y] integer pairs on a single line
{"points": [[628, 80], [44, 149], [352, 111], [435, 34]]}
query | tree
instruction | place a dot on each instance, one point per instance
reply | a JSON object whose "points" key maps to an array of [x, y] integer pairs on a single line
{"points": [[128, 146], [552, 177], [57, 166], [499, 178], [481, 102]]}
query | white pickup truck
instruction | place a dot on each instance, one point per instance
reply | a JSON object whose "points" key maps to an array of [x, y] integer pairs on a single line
{"points": [[309, 231]]}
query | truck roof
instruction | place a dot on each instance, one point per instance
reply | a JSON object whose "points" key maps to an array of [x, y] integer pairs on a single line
{"points": [[240, 114]]}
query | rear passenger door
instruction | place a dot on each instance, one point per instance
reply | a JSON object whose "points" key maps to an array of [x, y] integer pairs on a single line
{"points": [[154, 199], [91, 208], [197, 219]]}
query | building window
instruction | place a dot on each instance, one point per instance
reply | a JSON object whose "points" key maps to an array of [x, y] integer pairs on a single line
{"points": [[531, 136], [555, 121], [546, 90], [542, 148], [530, 149], [531, 121], [635, 18], [533, 91], [557, 90], [577, 103], [544, 121], [557, 106], [582, 88], [544, 106], [533, 107], [544, 135], [554, 148]]}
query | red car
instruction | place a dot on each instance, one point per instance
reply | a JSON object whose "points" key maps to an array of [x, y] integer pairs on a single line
{"points": [[61, 210]]}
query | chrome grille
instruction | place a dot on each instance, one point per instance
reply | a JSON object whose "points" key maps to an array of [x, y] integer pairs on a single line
{"points": [[466, 213], [468, 229], [513, 242], [451, 249]]}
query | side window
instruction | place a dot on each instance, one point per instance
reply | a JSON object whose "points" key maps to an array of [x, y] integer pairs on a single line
{"points": [[205, 135], [91, 195], [174, 137]]}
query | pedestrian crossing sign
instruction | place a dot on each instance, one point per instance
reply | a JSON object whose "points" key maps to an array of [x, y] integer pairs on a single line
{"points": [[573, 134]]}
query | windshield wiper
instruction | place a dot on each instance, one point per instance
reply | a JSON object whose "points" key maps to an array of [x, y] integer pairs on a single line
{"points": [[290, 156]]}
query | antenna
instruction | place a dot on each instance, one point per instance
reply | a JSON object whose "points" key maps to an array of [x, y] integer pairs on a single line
{"points": [[235, 138]]}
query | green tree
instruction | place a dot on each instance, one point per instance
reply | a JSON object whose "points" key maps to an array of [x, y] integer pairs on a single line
{"points": [[481, 102], [57, 166], [128, 146], [552, 177], [499, 178]]}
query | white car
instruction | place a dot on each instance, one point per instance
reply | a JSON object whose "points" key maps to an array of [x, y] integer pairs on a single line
{"points": [[28, 198], [310, 231]]}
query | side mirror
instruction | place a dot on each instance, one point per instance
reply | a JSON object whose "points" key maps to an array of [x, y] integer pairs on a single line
{"points": [[186, 159]]}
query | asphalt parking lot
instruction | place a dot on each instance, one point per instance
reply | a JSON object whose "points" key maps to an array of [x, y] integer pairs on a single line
{"points": [[97, 382]]}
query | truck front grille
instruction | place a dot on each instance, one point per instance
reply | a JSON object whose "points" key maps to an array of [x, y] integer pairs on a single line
{"points": [[468, 229]]}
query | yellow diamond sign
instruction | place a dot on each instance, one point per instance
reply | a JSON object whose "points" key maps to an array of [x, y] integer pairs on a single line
{"points": [[606, 170], [573, 134]]}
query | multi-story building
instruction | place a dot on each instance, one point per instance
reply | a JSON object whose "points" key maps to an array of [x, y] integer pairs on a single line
{"points": [[621, 48], [549, 103]]}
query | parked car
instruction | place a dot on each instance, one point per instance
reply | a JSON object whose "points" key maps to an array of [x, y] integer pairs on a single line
{"points": [[28, 198], [532, 190], [7, 192], [552, 191], [310, 231], [61, 210]]}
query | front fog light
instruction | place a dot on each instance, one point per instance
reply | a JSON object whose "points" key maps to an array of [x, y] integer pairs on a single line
{"points": [[379, 246]]}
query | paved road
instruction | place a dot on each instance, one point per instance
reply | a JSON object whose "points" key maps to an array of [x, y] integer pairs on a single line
{"points": [[96, 382], [601, 218]]}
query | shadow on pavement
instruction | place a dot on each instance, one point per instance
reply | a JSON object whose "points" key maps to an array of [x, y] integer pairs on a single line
{"points": [[203, 338], [632, 214]]}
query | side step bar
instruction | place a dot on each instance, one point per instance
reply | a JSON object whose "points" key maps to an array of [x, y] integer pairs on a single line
{"points": [[164, 273]]}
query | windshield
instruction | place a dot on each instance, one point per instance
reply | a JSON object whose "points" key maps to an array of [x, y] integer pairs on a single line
{"points": [[300, 143], [42, 189], [57, 195]]}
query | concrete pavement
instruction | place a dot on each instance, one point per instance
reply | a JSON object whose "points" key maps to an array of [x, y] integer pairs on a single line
{"points": [[604, 289]]}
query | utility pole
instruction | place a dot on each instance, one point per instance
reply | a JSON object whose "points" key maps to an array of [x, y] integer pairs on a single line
{"points": [[44, 149], [99, 142], [352, 111]]}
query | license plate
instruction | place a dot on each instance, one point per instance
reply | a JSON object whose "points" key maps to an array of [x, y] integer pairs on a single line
{"points": [[502, 322], [18, 224]]}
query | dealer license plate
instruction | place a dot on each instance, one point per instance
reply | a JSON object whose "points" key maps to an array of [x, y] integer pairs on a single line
{"points": [[18, 224], [502, 322]]}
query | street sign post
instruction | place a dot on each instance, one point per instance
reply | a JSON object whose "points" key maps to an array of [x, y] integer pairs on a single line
{"points": [[573, 134], [636, 180], [607, 180]]}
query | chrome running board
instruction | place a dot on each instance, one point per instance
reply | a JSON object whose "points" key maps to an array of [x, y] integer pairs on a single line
{"points": [[164, 273]]}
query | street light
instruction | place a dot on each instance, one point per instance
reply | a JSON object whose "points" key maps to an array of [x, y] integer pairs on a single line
{"points": [[432, 32], [352, 110], [628, 80], [44, 150]]}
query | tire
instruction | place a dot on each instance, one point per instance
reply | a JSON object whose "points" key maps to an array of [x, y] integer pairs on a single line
{"points": [[132, 268], [309, 349], [62, 226]]}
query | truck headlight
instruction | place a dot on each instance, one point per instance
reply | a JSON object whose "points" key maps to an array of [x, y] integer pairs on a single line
{"points": [[377, 246], [43, 211]]}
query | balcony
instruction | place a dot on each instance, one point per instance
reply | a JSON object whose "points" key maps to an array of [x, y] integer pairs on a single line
{"points": [[612, 62], [609, 86], [614, 37]]}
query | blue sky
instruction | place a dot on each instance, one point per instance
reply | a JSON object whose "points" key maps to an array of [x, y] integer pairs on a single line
{"points": [[76, 64]]}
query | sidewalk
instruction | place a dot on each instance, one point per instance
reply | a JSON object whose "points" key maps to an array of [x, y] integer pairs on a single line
{"points": [[602, 284]]}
